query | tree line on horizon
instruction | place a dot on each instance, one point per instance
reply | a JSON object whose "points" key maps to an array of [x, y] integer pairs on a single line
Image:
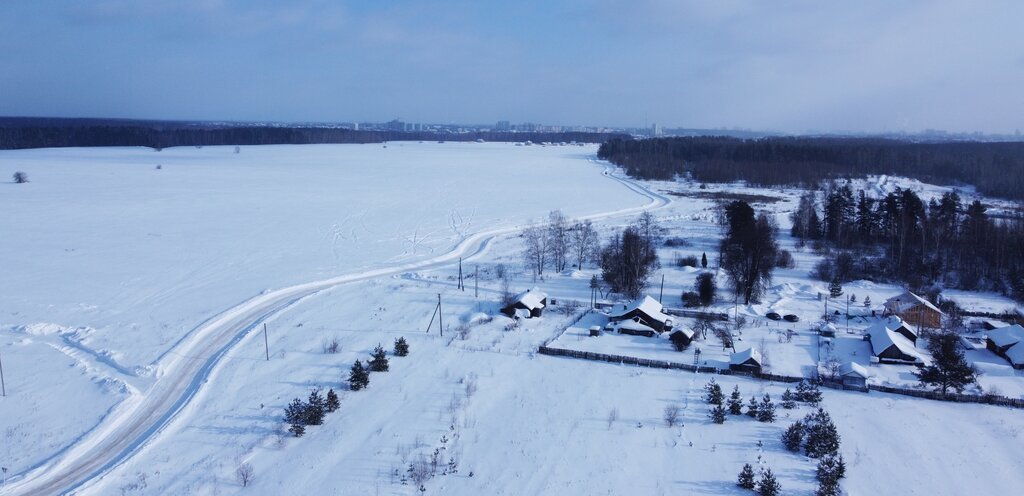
{"points": [[20, 133], [994, 168]]}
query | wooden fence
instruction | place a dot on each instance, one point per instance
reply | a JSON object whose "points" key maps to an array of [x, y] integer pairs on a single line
{"points": [[988, 399]]}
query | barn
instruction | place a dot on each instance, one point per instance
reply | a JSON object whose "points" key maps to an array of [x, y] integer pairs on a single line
{"points": [[529, 303], [748, 360], [631, 327], [891, 346], [914, 310], [646, 311], [1008, 342]]}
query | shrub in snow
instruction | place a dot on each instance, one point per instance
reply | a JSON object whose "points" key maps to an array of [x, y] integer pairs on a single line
{"points": [[332, 401], [793, 437], [20, 177], [713, 393], [297, 430], [752, 407], [705, 287], [358, 377], [788, 400], [672, 415], [767, 485], [746, 477], [766, 412], [244, 473], [691, 299], [808, 392], [379, 362], [401, 347], [735, 402], [717, 414]]}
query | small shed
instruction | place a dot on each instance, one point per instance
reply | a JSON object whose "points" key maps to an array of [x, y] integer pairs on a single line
{"points": [[854, 376], [828, 330], [914, 310], [646, 311], [681, 338], [529, 303], [1007, 343], [748, 360]]}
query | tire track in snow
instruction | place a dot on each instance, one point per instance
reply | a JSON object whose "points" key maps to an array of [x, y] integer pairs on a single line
{"points": [[140, 419]]}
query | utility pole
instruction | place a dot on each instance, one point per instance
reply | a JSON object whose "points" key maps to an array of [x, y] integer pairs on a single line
{"points": [[662, 293], [476, 281], [266, 344], [847, 314], [4, 388], [440, 318], [461, 285]]}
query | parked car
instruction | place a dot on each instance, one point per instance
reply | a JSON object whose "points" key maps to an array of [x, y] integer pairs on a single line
{"points": [[791, 318], [773, 316]]}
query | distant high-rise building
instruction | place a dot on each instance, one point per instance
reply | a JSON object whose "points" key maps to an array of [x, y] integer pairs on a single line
{"points": [[502, 126], [395, 125], [656, 130]]}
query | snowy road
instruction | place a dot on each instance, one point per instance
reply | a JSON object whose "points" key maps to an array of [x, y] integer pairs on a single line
{"points": [[187, 367]]}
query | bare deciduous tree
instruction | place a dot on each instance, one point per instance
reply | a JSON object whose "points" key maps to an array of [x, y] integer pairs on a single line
{"points": [[535, 255], [244, 473], [672, 415], [558, 240], [585, 244], [20, 177]]}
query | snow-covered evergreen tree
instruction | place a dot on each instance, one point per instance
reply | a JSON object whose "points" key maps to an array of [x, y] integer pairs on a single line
{"points": [[316, 406], [332, 400], [821, 436], [735, 402], [401, 347], [713, 393], [746, 477], [379, 362], [717, 414], [766, 411], [752, 407], [767, 485], [788, 400], [358, 378], [793, 437]]}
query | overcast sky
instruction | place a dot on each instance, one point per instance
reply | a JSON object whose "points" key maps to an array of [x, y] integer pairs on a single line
{"points": [[790, 66]]}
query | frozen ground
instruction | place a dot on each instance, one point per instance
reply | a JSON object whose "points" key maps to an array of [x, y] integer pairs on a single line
{"points": [[521, 423]]}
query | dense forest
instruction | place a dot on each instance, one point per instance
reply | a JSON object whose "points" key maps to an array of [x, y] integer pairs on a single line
{"points": [[995, 169], [943, 242], [16, 133]]}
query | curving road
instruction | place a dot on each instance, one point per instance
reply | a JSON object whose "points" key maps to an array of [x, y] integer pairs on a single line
{"points": [[140, 418]]}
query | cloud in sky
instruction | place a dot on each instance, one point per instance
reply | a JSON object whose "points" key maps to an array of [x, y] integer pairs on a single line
{"points": [[788, 65]]}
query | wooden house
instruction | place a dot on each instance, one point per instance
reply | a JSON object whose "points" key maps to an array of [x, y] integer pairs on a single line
{"points": [[854, 376], [914, 310], [646, 311], [1008, 342], [529, 303], [891, 346], [748, 360]]}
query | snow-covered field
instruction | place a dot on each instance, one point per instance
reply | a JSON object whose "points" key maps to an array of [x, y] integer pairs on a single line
{"points": [[119, 268]]}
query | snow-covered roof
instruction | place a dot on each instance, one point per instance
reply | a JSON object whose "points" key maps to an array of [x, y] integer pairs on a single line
{"points": [[906, 301], [883, 337], [532, 298], [647, 305], [1016, 354], [1007, 336], [687, 332], [740, 357], [631, 325], [851, 368]]}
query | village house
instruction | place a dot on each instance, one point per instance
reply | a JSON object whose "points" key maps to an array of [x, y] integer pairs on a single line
{"points": [[914, 310], [748, 360], [1007, 343], [529, 303], [890, 346], [645, 311], [854, 376]]}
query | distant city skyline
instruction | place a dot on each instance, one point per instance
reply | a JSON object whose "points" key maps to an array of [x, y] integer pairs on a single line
{"points": [[790, 67]]}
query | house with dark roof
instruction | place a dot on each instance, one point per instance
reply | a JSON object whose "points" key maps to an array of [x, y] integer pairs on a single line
{"points": [[891, 346], [529, 303], [646, 311], [1008, 342], [748, 360]]}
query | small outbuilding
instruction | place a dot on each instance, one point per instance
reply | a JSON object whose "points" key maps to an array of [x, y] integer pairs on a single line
{"points": [[854, 376], [681, 338], [1007, 343], [914, 310], [631, 327], [748, 360], [529, 303], [646, 311]]}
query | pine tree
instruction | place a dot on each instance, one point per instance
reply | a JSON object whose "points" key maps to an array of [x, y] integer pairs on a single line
{"points": [[315, 408], [853, 298], [768, 486], [332, 401], [835, 288], [830, 469], [787, 400], [808, 392], [746, 477], [735, 402], [401, 347], [713, 393], [766, 412], [717, 414], [821, 436], [379, 362], [752, 406], [704, 260], [295, 412], [297, 430], [793, 436], [358, 378], [949, 368], [867, 302]]}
